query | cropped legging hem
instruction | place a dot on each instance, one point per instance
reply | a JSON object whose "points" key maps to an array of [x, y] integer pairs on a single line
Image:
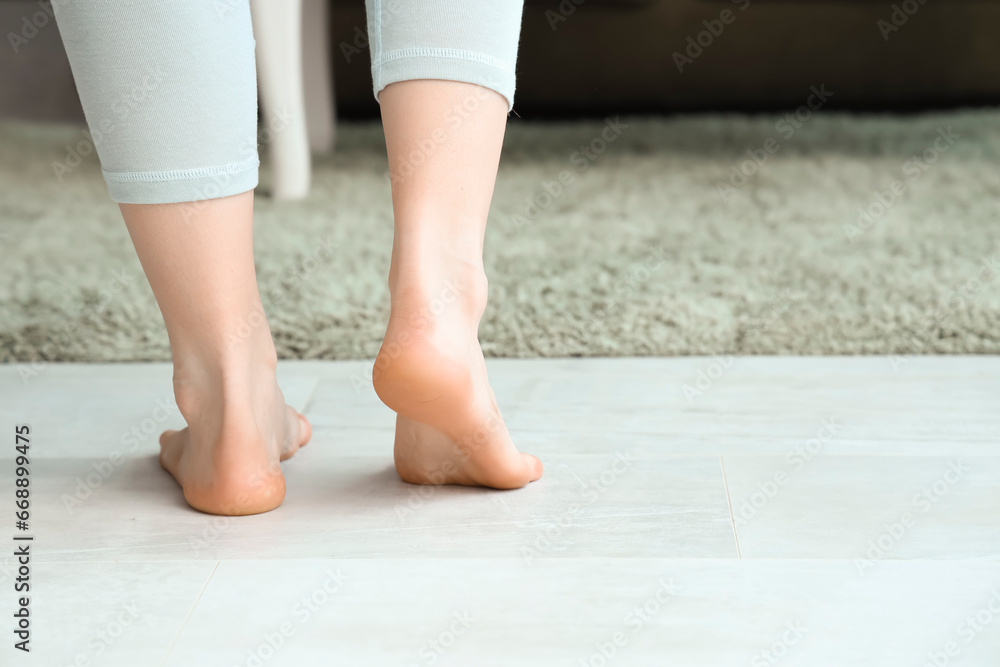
{"points": [[170, 88], [180, 185], [447, 64]]}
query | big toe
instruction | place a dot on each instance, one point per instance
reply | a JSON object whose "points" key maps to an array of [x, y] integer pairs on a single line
{"points": [[518, 471], [534, 467], [298, 434], [170, 450], [305, 431]]}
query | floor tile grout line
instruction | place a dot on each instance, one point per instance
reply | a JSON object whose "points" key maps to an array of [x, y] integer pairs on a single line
{"points": [[188, 616], [311, 397], [729, 501]]}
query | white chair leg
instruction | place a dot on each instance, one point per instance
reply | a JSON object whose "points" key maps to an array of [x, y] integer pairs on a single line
{"points": [[317, 74], [278, 31]]}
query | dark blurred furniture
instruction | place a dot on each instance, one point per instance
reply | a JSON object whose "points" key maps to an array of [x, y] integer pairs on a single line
{"points": [[616, 56]]}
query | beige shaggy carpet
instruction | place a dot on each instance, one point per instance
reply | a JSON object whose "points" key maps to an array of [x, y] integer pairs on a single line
{"points": [[851, 235]]}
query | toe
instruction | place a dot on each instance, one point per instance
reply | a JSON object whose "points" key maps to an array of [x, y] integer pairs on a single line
{"points": [[533, 466], [170, 450], [305, 431], [299, 431], [513, 472]]}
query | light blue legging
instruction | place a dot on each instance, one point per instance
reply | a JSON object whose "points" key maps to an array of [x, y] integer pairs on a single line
{"points": [[169, 89]]}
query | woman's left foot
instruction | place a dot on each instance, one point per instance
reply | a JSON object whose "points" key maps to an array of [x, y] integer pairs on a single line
{"points": [[228, 459]]}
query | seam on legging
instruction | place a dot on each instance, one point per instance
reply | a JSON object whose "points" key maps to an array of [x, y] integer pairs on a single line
{"points": [[178, 174], [453, 54]]}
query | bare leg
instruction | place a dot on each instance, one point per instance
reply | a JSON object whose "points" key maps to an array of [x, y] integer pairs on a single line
{"points": [[444, 140], [198, 258]]}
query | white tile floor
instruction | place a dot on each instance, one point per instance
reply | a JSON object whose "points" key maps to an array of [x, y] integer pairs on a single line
{"points": [[794, 511]]}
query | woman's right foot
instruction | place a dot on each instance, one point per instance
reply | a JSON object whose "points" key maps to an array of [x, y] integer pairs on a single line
{"points": [[431, 371]]}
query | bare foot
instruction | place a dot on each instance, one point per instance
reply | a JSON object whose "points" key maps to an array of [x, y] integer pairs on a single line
{"points": [[227, 460], [431, 371]]}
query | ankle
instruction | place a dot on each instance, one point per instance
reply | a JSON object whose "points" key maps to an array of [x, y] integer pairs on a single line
{"points": [[224, 379], [438, 240], [433, 293], [436, 274]]}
